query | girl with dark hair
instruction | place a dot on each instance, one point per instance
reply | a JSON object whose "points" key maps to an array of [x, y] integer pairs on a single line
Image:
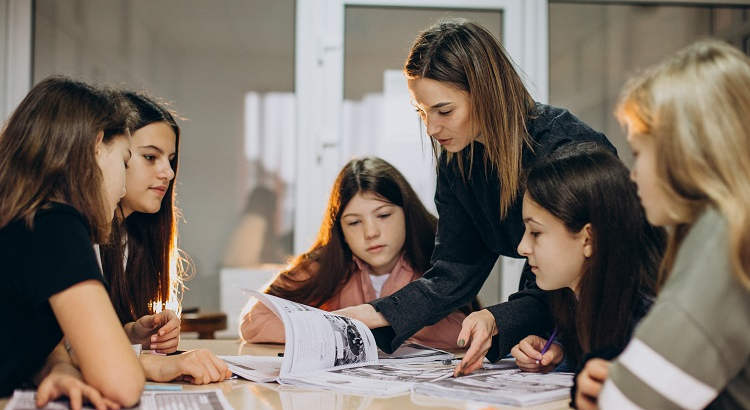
{"points": [[376, 237], [63, 154], [588, 240], [141, 263], [138, 262], [486, 131]]}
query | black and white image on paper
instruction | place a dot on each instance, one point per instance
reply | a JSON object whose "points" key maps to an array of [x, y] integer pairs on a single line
{"points": [[409, 373], [350, 345]]}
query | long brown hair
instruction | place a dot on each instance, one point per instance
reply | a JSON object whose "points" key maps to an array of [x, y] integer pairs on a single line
{"points": [[469, 57], [148, 279], [316, 275], [694, 107], [583, 183], [47, 151]]}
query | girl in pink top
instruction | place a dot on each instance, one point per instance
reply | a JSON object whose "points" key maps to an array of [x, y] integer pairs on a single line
{"points": [[375, 238]]}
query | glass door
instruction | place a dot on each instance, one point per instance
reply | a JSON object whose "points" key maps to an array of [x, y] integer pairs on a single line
{"points": [[353, 100]]}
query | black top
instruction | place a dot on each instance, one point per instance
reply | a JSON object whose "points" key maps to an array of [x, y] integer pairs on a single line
{"points": [[471, 236], [38, 263]]}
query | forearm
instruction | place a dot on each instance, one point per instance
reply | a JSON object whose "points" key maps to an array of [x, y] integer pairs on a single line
{"points": [[426, 301], [261, 325], [371, 317], [58, 357], [366, 314], [154, 367]]}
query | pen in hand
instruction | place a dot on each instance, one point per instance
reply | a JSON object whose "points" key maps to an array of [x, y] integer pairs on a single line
{"points": [[548, 344]]}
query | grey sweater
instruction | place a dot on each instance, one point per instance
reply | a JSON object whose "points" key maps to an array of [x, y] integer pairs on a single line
{"points": [[692, 350]]}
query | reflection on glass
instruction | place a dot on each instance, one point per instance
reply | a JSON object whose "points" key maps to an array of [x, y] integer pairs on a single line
{"points": [[377, 117]]}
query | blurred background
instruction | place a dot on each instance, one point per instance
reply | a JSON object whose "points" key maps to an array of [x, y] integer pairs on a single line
{"points": [[276, 95]]}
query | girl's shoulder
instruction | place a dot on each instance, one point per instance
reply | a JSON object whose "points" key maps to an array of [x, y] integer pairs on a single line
{"points": [[702, 283], [52, 218], [705, 244], [61, 212]]}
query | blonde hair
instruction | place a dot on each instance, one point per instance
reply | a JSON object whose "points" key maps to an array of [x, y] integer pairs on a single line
{"points": [[695, 108]]}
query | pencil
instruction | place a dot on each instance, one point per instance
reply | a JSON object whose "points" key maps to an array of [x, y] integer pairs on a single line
{"points": [[549, 343], [445, 376]]}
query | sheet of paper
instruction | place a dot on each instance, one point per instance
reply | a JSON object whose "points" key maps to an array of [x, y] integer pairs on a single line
{"points": [[193, 400], [509, 386], [381, 380], [413, 353], [261, 369]]}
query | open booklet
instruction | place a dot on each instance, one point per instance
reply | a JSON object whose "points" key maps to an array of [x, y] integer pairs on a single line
{"points": [[318, 340], [331, 352]]}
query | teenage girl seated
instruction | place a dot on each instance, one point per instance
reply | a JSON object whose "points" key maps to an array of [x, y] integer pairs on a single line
{"points": [[141, 262], [588, 242], [63, 155], [375, 238]]}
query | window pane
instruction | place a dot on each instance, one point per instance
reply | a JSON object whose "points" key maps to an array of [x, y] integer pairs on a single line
{"points": [[377, 116], [595, 48], [227, 67]]}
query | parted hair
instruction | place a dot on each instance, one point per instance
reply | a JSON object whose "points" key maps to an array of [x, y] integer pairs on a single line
{"points": [[467, 56], [151, 242], [313, 277], [47, 151]]}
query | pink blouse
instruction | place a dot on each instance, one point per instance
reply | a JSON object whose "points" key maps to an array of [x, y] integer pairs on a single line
{"points": [[260, 325]]}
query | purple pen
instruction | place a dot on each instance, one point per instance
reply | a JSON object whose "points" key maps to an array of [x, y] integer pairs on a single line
{"points": [[549, 343]]}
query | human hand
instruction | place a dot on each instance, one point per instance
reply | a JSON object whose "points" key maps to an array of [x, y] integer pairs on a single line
{"points": [[196, 366], [160, 332], [365, 313], [589, 383], [529, 358], [477, 331], [66, 380]]}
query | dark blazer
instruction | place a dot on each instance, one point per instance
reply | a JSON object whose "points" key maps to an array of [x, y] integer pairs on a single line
{"points": [[471, 236]]}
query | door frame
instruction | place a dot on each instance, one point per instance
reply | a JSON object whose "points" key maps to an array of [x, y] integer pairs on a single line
{"points": [[16, 45], [319, 79]]}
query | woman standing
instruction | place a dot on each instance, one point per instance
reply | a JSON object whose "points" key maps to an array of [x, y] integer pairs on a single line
{"points": [[486, 130]]}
